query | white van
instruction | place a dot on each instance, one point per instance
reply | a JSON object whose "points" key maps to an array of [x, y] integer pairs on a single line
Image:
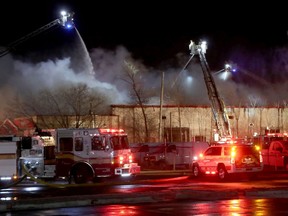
{"points": [[173, 155]]}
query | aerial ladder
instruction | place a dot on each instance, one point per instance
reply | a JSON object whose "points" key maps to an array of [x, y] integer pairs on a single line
{"points": [[218, 107], [66, 21]]}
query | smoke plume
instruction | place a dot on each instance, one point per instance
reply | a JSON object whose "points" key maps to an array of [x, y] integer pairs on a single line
{"points": [[263, 81]]}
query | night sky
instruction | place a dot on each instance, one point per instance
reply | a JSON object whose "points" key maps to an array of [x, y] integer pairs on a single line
{"points": [[154, 33]]}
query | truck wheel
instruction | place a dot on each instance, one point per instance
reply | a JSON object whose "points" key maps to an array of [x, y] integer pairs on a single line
{"points": [[196, 170], [162, 165], [222, 173], [82, 174], [286, 166]]}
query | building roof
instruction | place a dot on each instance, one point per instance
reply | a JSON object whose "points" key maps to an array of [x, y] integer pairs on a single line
{"points": [[16, 126]]}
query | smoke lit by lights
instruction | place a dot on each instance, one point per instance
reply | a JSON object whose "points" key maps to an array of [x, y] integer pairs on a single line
{"points": [[20, 75]]}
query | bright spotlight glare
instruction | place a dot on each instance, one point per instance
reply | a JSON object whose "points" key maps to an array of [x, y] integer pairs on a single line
{"points": [[189, 79], [30, 189], [225, 75], [68, 25], [63, 13]]}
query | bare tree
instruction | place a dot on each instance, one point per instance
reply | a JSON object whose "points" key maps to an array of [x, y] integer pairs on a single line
{"points": [[138, 93], [61, 104]]}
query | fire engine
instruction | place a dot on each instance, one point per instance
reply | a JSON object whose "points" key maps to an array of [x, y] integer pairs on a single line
{"points": [[270, 135], [80, 155]]}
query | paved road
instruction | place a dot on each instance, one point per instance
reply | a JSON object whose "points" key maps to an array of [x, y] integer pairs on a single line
{"points": [[190, 192]]}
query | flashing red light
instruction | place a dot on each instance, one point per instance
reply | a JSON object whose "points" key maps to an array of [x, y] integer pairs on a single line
{"points": [[110, 130], [210, 172], [232, 142], [130, 159], [277, 134], [121, 158]]}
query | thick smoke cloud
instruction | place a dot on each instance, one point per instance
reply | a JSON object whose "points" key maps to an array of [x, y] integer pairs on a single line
{"points": [[103, 69], [22, 77]]}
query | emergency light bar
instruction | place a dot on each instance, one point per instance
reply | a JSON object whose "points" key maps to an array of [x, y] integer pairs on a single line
{"points": [[109, 130]]}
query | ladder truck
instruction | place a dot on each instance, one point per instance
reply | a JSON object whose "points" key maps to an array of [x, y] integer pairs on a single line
{"points": [[218, 107], [66, 21]]}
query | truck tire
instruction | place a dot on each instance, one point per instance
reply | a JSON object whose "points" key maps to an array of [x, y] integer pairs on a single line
{"points": [[286, 166], [162, 165], [82, 174], [221, 172], [196, 170], [285, 162]]}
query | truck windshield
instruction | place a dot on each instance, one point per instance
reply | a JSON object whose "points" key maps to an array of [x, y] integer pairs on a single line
{"points": [[119, 142]]}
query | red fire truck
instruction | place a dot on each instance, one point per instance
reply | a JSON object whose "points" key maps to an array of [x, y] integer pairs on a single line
{"points": [[79, 155]]}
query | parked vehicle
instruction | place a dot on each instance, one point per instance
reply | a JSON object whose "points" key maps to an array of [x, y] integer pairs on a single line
{"points": [[142, 150], [275, 155], [274, 150], [172, 155], [225, 159]]}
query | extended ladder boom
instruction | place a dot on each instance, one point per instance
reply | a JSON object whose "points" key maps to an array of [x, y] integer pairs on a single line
{"points": [[218, 107], [66, 20]]}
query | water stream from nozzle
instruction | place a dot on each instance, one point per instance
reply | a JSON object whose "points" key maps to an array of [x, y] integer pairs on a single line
{"points": [[87, 60]]}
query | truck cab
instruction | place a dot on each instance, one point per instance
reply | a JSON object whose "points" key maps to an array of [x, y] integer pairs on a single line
{"points": [[275, 155]]}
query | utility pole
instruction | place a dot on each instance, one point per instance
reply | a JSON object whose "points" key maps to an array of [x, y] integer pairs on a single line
{"points": [[161, 104]]}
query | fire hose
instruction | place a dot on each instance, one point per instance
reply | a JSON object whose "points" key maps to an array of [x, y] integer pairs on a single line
{"points": [[37, 180], [27, 174], [55, 185]]}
